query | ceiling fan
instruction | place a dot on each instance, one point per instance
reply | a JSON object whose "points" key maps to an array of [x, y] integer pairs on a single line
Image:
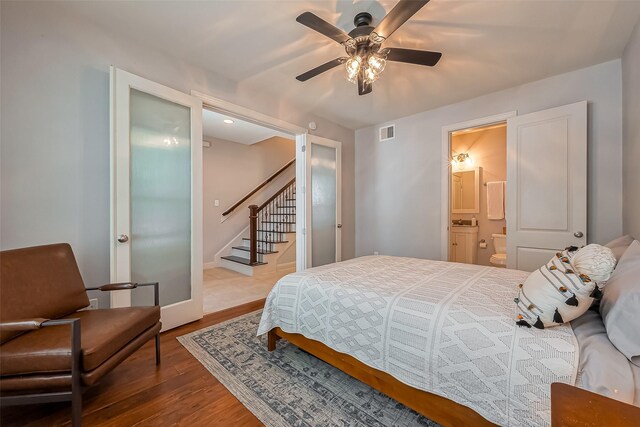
{"points": [[366, 58]]}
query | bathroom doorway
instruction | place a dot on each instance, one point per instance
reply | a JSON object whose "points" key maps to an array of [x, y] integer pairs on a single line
{"points": [[546, 197], [476, 189]]}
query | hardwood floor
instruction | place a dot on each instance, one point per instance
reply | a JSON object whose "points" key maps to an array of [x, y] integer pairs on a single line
{"points": [[180, 391], [223, 288]]}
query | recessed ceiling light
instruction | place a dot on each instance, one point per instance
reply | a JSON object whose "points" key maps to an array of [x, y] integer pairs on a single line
{"points": [[228, 121]]}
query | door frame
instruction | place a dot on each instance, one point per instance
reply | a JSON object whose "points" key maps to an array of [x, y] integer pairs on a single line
{"points": [[313, 139], [301, 136], [445, 196], [120, 142]]}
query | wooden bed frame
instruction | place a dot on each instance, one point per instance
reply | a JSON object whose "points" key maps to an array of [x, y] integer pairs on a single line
{"points": [[570, 405], [434, 407]]}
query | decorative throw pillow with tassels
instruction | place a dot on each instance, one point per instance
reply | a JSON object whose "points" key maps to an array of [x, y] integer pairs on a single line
{"points": [[564, 288]]}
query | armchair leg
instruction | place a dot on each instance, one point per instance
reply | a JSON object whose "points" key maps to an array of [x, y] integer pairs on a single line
{"points": [[157, 348], [76, 408], [76, 382]]}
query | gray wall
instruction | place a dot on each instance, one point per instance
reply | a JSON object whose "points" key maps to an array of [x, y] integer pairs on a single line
{"points": [[398, 182], [631, 149], [230, 171], [55, 127]]}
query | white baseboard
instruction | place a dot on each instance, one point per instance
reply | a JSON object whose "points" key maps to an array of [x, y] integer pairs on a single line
{"points": [[286, 266], [208, 265]]}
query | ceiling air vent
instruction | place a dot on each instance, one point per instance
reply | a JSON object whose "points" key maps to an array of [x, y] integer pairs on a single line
{"points": [[387, 132]]}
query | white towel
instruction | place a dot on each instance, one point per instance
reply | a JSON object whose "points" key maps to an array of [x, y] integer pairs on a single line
{"points": [[495, 200]]}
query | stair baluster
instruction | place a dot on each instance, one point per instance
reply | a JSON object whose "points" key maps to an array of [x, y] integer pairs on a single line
{"points": [[253, 233], [264, 227]]}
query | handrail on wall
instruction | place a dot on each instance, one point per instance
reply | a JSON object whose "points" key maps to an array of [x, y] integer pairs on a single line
{"points": [[255, 190]]}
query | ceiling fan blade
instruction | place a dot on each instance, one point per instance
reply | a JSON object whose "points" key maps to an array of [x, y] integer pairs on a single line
{"points": [[400, 13], [412, 56], [323, 27], [363, 87], [321, 69]]}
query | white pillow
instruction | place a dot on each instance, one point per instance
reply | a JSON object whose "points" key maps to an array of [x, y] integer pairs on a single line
{"points": [[562, 290], [620, 245], [595, 261], [620, 305]]}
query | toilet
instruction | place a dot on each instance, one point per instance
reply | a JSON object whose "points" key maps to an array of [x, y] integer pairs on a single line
{"points": [[499, 259]]}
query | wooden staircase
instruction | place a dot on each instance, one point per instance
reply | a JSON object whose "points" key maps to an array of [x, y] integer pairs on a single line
{"points": [[272, 229]]}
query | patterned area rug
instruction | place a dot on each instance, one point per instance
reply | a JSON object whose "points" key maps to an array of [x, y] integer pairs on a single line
{"points": [[289, 387]]}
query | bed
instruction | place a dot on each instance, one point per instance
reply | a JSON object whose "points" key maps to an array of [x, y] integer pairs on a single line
{"points": [[439, 337]]}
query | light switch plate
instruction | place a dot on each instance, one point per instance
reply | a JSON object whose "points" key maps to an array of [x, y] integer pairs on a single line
{"points": [[93, 304], [216, 202]]}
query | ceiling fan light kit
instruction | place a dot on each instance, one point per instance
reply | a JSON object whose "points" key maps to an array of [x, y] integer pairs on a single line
{"points": [[366, 59]]}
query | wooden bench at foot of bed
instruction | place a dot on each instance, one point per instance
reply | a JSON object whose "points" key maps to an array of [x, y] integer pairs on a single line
{"points": [[434, 407]]}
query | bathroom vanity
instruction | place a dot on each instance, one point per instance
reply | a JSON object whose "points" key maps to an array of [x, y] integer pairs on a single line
{"points": [[463, 244]]}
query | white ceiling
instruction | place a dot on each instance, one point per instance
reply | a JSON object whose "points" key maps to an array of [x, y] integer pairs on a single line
{"points": [[487, 45], [213, 126]]}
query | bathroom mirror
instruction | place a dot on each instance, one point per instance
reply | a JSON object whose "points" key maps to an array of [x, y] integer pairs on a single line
{"points": [[465, 191]]}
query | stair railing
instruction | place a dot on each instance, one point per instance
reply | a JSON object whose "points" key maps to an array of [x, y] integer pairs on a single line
{"points": [[269, 221], [258, 188]]}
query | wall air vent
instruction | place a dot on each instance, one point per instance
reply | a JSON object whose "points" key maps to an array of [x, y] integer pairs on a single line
{"points": [[387, 133]]}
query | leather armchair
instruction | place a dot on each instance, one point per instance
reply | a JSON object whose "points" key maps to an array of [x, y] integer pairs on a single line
{"points": [[50, 349]]}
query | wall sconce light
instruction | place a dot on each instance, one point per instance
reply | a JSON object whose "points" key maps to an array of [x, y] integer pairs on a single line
{"points": [[462, 160]]}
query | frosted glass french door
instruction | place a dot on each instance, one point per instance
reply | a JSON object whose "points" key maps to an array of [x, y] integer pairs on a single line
{"points": [[156, 196], [323, 203]]}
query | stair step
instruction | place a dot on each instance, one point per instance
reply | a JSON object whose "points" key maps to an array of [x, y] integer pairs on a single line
{"points": [[285, 207], [278, 222], [240, 260], [283, 214], [260, 251], [274, 231], [292, 199], [265, 241]]}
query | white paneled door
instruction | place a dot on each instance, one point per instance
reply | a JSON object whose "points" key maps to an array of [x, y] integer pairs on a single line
{"points": [[156, 196], [323, 207], [546, 184]]}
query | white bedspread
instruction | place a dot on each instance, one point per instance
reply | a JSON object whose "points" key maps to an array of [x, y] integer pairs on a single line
{"points": [[445, 328]]}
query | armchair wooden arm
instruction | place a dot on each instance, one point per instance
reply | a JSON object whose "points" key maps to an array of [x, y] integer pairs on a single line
{"points": [[128, 286], [22, 325], [75, 394], [115, 287]]}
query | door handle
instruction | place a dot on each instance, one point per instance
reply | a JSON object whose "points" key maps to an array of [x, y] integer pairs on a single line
{"points": [[339, 225], [578, 234], [123, 238]]}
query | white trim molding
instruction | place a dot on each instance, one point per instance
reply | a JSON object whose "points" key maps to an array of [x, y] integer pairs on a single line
{"points": [[300, 133], [445, 203], [248, 114]]}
